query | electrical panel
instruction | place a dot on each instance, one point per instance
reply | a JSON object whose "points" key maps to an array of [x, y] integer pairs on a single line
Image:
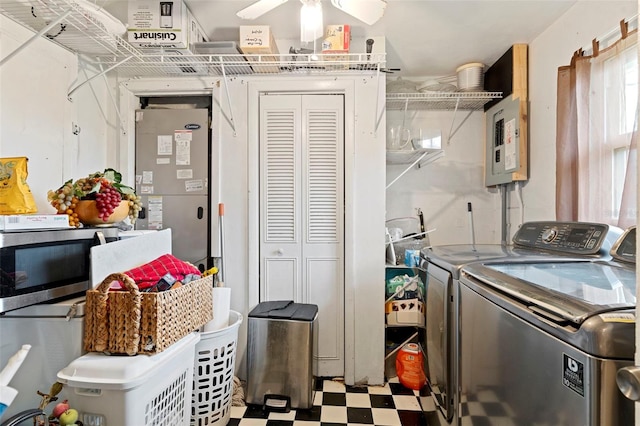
{"points": [[506, 134], [503, 142]]}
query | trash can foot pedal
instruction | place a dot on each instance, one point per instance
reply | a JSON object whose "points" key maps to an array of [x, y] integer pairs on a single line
{"points": [[277, 403]]}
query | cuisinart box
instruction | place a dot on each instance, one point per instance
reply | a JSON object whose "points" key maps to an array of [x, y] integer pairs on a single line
{"points": [[157, 23]]}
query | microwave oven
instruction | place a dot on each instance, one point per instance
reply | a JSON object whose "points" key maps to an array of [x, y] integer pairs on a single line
{"points": [[47, 265]]}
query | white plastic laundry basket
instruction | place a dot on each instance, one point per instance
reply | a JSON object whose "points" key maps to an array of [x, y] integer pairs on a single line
{"points": [[215, 361], [142, 390]]}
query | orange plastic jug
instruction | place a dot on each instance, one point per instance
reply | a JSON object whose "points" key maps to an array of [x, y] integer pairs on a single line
{"points": [[409, 366]]}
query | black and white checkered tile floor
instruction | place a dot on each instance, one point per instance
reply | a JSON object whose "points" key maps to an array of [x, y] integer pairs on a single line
{"points": [[338, 405]]}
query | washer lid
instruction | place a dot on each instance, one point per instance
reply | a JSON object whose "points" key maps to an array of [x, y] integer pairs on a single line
{"points": [[453, 257], [572, 291]]}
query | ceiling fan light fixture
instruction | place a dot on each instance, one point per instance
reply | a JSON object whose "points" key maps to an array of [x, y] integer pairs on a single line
{"points": [[310, 20], [367, 11], [259, 8]]}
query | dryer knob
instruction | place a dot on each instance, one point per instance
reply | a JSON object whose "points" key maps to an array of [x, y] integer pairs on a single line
{"points": [[548, 235]]}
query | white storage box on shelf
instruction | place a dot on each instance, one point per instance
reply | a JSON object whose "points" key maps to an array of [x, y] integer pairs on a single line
{"points": [[141, 390], [213, 375]]}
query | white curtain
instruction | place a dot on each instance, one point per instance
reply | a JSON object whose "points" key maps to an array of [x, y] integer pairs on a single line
{"points": [[597, 124]]}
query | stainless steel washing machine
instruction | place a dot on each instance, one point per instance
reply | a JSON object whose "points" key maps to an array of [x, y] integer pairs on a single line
{"points": [[541, 340], [440, 398]]}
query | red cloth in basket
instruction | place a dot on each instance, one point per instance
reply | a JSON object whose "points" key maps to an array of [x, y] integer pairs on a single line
{"points": [[150, 273]]}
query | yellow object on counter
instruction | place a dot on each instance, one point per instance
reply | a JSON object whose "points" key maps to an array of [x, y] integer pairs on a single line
{"points": [[211, 271]]}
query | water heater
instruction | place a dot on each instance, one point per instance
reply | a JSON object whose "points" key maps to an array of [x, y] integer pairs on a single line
{"points": [[506, 138]]}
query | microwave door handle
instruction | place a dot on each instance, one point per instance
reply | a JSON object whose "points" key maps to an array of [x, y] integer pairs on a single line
{"points": [[101, 239]]}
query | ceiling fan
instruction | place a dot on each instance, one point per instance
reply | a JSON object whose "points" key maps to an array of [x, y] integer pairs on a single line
{"points": [[367, 11]]}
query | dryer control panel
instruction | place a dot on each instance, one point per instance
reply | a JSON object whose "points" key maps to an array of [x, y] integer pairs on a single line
{"points": [[580, 238]]}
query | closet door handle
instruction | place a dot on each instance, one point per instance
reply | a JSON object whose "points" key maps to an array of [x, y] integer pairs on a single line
{"points": [[200, 213], [280, 252]]}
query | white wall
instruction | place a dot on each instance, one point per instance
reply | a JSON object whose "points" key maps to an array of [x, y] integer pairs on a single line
{"points": [[553, 48], [37, 118], [443, 188]]}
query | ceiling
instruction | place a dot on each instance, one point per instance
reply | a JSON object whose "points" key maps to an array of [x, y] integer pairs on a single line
{"points": [[423, 37]]}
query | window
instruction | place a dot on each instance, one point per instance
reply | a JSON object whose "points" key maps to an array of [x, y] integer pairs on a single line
{"points": [[621, 77], [597, 113]]}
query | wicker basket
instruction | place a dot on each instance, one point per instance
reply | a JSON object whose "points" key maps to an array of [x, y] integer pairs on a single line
{"points": [[130, 322]]}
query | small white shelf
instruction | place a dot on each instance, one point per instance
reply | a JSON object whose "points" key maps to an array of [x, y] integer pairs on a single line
{"points": [[410, 156], [417, 157]]}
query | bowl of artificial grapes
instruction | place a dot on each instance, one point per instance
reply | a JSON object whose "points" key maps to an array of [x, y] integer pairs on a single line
{"points": [[98, 199]]}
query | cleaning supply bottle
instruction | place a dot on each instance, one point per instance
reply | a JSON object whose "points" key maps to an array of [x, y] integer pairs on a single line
{"points": [[410, 367]]}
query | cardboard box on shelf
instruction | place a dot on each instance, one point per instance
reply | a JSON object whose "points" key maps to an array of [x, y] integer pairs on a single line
{"points": [[162, 24], [409, 312], [259, 40], [336, 43], [337, 39]]}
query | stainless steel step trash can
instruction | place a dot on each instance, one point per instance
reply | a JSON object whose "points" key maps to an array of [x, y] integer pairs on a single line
{"points": [[280, 348]]}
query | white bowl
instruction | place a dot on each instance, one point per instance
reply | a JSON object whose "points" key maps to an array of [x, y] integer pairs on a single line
{"points": [[470, 77]]}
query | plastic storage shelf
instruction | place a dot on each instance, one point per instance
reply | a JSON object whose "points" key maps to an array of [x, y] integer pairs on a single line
{"points": [[402, 327]]}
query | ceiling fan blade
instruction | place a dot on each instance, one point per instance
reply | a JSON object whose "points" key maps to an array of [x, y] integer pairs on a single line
{"points": [[259, 8], [368, 11]]}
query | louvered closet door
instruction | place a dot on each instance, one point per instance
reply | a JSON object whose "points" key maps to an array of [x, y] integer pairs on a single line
{"points": [[302, 212]]}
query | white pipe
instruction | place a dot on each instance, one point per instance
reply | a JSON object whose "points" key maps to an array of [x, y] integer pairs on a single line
{"points": [[520, 201]]}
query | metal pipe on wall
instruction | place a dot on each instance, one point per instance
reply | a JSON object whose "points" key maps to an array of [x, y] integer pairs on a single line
{"points": [[503, 194]]}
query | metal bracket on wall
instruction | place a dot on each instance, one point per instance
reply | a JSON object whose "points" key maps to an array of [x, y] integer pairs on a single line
{"points": [[35, 37], [226, 91], [378, 118], [113, 100], [453, 119], [431, 158], [407, 169], [418, 158], [102, 72]]}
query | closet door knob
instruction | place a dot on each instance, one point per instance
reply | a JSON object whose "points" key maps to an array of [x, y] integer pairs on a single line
{"points": [[280, 252]]}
